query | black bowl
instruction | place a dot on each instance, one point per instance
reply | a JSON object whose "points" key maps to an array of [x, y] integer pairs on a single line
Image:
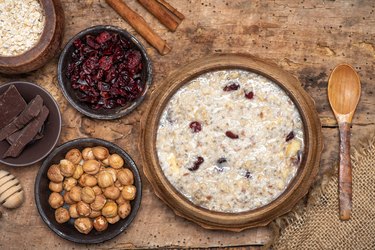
{"points": [[71, 94], [67, 230]]}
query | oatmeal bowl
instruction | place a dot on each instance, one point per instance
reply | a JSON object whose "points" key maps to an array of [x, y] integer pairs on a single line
{"points": [[231, 142]]}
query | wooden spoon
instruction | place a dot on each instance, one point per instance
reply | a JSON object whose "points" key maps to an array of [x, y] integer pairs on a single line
{"points": [[344, 90]]}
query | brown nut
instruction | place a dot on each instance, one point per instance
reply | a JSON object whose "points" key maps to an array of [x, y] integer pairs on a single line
{"points": [[75, 193], [55, 187], [94, 214], [121, 200], [69, 183], [67, 199], [87, 154], [87, 180], [118, 184], [62, 215], [87, 195], [105, 179], [91, 167], [78, 172], [128, 192], [100, 152], [55, 200], [113, 220], [54, 173], [124, 210], [98, 203], [67, 168], [109, 209], [97, 190], [116, 161], [113, 172], [112, 192], [83, 225], [125, 176], [105, 162], [73, 211], [74, 155], [83, 209], [100, 223]]}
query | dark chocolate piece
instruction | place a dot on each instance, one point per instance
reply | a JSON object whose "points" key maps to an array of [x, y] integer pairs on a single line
{"points": [[31, 111], [14, 137], [28, 133], [11, 104]]}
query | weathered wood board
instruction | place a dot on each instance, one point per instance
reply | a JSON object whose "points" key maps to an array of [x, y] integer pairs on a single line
{"points": [[306, 38]]}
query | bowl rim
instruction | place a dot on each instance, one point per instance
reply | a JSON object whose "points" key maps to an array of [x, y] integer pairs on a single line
{"points": [[34, 85], [296, 189], [136, 42], [71, 144]]}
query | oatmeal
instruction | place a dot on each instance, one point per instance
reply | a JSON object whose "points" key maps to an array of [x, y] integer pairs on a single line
{"points": [[230, 141]]}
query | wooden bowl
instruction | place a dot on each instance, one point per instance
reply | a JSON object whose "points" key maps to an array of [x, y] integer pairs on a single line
{"points": [[45, 49], [262, 216]]}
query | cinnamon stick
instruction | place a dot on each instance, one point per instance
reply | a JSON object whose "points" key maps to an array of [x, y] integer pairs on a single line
{"points": [[163, 13], [169, 7], [140, 25]]}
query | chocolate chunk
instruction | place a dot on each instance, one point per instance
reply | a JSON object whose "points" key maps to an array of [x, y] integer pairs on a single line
{"points": [[11, 104], [31, 111], [28, 133], [14, 137]]}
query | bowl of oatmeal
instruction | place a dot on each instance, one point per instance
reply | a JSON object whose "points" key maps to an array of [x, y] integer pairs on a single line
{"points": [[232, 142]]}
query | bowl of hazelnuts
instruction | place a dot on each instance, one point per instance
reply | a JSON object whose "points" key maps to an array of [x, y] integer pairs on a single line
{"points": [[88, 190]]}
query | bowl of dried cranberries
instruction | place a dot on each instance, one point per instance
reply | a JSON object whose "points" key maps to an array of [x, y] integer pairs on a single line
{"points": [[104, 72]]}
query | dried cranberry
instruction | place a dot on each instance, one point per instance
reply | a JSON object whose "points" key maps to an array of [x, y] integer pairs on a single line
{"points": [[195, 127], [290, 136], [249, 95], [231, 135], [103, 37], [231, 87], [197, 163]]}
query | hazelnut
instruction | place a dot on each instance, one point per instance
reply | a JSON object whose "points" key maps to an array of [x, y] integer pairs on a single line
{"points": [[78, 172], [125, 176], [105, 179], [124, 210], [54, 173], [73, 211], [100, 223], [100, 152], [113, 172], [113, 220], [105, 162], [83, 209], [62, 215], [118, 184], [67, 199], [111, 192], [95, 213], [97, 190], [128, 192], [87, 180], [75, 193], [116, 161], [87, 154], [83, 225], [87, 195], [74, 155], [67, 168], [55, 187], [109, 209], [55, 200], [91, 166], [99, 202], [69, 183], [121, 200]]}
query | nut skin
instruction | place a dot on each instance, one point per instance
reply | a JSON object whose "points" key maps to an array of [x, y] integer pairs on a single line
{"points": [[55, 200], [128, 192], [116, 161], [124, 210], [87, 180], [83, 225], [78, 172], [87, 195], [98, 203], [67, 168], [62, 215], [75, 193], [54, 173], [73, 211], [94, 214], [83, 209], [113, 220], [87, 154], [100, 223], [112, 192], [105, 179], [74, 155], [69, 183], [125, 176], [67, 199], [91, 167], [110, 209], [97, 190], [55, 187], [100, 152]]}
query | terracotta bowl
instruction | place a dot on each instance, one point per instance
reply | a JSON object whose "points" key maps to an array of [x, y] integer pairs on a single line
{"points": [[47, 46], [297, 188]]}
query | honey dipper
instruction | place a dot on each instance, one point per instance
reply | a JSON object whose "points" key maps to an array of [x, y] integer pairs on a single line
{"points": [[11, 191]]}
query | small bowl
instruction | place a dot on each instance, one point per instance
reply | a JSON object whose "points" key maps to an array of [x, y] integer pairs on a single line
{"points": [[45, 49], [39, 149], [70, 93], [67, 230]]}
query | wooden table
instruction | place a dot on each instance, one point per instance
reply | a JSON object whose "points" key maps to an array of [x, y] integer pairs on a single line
{"points": [[306, 38]]}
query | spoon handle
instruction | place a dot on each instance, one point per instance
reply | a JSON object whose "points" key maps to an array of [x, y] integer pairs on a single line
{"points": [[345, 172]]}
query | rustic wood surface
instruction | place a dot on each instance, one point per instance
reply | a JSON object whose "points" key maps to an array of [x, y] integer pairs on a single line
{"points": [[306, 38]]}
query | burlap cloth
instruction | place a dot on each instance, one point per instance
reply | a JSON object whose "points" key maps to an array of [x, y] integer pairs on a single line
{"points": [[315, 224]]}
